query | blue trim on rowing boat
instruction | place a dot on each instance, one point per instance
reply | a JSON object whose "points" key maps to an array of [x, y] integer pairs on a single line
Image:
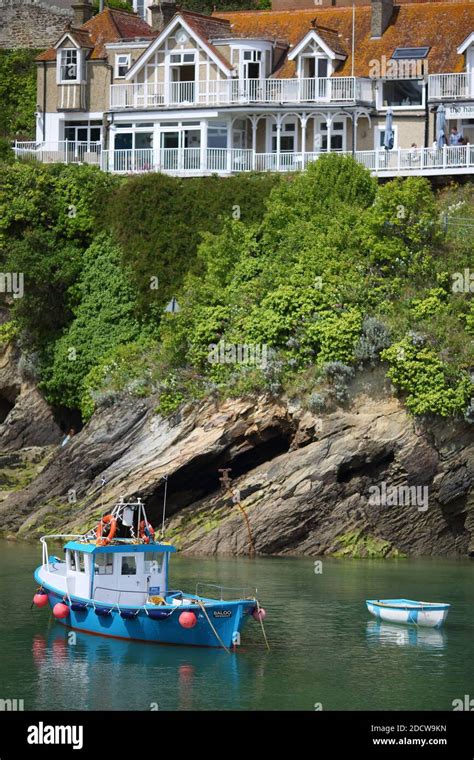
{"points": [[407, 604]]}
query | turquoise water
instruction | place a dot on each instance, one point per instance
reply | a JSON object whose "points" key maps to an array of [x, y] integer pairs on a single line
{"points": [[326, 651]]}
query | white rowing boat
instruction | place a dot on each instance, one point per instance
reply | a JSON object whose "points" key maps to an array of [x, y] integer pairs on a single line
{"points": [[430, 614]]}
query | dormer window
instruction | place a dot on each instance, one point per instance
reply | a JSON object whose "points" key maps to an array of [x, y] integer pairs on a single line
{"points": [[122, 65], [69, 66]]}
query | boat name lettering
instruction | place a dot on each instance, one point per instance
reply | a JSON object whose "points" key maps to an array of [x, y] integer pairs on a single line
{"points": [[222, 613]]}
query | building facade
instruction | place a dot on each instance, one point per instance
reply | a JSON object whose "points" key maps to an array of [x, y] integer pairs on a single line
{"points": [[262, 90]]}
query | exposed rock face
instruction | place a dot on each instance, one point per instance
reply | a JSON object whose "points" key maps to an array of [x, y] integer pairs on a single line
{"points": [[306, 483], [25, 417]]}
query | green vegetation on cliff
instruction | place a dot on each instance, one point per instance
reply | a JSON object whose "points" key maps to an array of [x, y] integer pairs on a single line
{"points": [[284, 284], [17, 97]]}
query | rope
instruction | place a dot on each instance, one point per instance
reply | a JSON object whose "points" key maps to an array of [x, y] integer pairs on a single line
{"points": [[261, 623], [213, 629]]}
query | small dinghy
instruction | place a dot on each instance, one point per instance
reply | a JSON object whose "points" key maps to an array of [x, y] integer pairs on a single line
{"points": [[113, 581], [429, 614]]}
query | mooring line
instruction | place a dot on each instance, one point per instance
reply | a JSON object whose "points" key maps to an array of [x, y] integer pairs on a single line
{"points": [[214, 630]]}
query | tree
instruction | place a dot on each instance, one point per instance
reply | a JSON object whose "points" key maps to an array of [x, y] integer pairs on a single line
{"points": [[103, 319]]}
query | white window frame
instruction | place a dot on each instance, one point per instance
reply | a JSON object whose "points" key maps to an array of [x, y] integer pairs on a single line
{"points": [[272, 132], [379, 128], [381, 107], [79, 65], [118, 64], [318, 132], [315, 56]]}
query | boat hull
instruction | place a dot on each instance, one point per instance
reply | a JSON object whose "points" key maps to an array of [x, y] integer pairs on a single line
{"points": [[409, 612], [227, 618]]}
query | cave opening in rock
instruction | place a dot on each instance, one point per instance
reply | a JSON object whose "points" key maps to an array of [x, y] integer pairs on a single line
{"points": [[200, 478], [5, 408], [8, 398], [67, 418]]}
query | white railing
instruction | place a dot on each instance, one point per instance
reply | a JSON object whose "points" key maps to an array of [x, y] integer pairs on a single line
{"points": [[179, 160], [454, 159], [71, 97], [62, 152], [241, 91], [450, 86], [403, 162]]}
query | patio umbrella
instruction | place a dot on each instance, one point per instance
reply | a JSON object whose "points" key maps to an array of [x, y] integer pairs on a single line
{"points": [[440, 126], [389, 134]]}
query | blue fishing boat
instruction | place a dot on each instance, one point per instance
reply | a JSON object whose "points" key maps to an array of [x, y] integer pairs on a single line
{"points": [[429, 614], [113, 581]]}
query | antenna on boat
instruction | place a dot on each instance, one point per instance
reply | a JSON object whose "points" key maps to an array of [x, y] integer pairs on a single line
{"points": [[102, 484], [165, 478]]}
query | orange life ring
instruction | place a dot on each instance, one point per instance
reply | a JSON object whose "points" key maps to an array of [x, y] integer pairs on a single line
{"points": [[146, 532], [108, 519]]}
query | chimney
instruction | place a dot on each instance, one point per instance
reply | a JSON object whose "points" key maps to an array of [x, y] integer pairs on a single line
{"points": [[381, 14], [82, 12], [161, 14]]}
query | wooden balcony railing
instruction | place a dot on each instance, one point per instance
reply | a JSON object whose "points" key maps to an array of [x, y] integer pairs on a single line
{"points": [[239, 91], [455, 159], [450, 86], [71, 97]]}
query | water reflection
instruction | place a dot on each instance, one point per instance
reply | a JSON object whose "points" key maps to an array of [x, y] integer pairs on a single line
{"points": [[79, 671], [405, 635]]}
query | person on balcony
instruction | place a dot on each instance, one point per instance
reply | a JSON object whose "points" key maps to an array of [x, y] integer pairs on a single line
{"points": [[414, 155], [455, 137]]}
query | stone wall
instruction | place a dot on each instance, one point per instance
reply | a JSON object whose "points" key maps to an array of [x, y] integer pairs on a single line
{"points": [[32, 23]]}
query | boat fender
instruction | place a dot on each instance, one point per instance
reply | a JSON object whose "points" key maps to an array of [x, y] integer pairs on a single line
{"points": [[259, 613], [187, 619], [159, 614], [60, 610], [102, 611], [40, 599], [107, 520], [78, 606], [128, 614]]}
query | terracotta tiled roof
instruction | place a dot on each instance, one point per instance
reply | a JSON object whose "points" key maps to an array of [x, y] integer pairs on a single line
{"points": [[111, 25], [441, 26]]}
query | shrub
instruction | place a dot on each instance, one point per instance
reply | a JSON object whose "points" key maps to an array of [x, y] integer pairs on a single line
{"points": [[374, 338], [103, 319], [339, 375], [426, 381]]}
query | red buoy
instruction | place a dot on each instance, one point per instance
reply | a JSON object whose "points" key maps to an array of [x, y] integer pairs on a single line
{"points": [[259, 613], [60, 610], [40, 599], [187, 619]]}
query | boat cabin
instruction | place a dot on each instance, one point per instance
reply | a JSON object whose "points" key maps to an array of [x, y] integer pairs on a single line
{"points": [[125, 574]]}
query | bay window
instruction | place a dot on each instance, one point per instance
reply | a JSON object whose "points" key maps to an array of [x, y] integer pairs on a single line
{"points": [[401, 93]]}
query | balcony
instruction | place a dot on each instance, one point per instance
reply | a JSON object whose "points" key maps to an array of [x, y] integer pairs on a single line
{"points": [[71, 97], [227, 92], [189, 162], [62, 152], [450, 87]]}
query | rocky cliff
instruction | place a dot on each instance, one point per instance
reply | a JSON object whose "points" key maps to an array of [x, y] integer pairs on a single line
{"points": [[360, 481]]}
